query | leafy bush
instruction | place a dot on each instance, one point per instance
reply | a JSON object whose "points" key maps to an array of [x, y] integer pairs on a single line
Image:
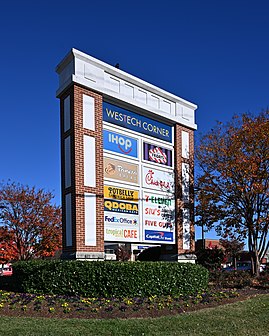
{"points": [[107, 279], [262, 281], [210, 258], [232, 279]]}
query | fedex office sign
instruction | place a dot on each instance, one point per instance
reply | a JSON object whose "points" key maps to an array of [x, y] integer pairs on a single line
{"points": [[120, 143]]}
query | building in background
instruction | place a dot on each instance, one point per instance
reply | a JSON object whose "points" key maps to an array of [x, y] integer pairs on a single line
{"points": [[207, 244], [127, 162]]}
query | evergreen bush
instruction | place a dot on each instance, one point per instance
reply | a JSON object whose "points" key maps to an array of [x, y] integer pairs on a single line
{"points": [[108, 279]]}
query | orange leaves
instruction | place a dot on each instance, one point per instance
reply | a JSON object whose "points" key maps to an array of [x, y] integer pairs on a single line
{"points": [[32, 225], [233, 189]]}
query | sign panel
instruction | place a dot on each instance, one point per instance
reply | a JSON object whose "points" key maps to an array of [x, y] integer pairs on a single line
{"points": [[159, 236], [130, 120], [121, 227], [121, 219], [120, 171], [158, 180], [121, 193], [155, 223], [121, 207], [159, 217], [121, 235], [120, 143], [157, 154]]}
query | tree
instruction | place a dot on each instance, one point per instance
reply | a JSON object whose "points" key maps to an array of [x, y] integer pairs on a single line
{"points": [[231, 248], [210, 258], [6, 253], [233, 187], [31, 225], [122, 253]]}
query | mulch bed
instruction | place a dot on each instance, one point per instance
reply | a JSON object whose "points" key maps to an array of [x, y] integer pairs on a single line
{"points": [[63, 307]]}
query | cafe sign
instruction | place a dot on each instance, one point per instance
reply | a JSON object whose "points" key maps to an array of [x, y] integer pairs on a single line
{"points": [[121, 227], [121, 235]]}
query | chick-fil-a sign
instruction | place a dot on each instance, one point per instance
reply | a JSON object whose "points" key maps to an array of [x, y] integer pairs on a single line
{"points": [[158, 180]]}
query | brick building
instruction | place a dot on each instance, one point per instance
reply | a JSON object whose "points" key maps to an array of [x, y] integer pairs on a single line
{"points": [[127, 161], [208, 244]]}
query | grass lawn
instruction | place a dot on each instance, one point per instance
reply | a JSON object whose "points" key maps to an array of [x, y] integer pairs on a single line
{"points": [[249, 317]]}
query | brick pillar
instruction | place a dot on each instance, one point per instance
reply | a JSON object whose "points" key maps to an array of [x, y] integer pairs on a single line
{"points": [[184, 206], [75, 245]]}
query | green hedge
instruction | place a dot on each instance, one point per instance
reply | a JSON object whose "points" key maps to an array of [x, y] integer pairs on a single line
{"points": [[107, 279]]}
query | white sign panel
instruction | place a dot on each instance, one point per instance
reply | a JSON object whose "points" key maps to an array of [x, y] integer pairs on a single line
{"points": [[121, 227], [158, 180], [186, 229], [158, 218]]}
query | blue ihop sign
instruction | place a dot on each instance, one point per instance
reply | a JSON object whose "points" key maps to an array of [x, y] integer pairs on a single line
{"points": [[120, 143], [130, 120]]}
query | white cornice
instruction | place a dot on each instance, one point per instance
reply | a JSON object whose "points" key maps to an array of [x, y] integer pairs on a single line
{"points": [[72, 69], [119, 73]]}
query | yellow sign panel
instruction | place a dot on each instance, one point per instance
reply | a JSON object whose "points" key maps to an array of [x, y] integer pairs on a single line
{"points": [[121, 193], [122, 207]]}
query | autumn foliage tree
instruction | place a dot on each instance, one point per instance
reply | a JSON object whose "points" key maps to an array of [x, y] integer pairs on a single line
{"points": [[232, 247], [30, 223], [6, 253], [233, 186]]}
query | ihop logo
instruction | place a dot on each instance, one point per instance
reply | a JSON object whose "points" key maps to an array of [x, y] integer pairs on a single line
{"points": [[120, 143]]}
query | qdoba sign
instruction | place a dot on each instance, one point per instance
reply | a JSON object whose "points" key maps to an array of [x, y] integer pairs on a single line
{"points": [[122, 207]]}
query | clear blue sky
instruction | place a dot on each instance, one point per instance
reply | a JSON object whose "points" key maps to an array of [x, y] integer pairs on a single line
{"points": [[212, 53]]}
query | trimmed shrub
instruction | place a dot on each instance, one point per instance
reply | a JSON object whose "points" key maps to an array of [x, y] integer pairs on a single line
{"points": [[107, 279]]}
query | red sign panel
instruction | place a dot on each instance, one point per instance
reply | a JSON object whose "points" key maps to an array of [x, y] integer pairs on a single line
{"points": [[157, 154]]}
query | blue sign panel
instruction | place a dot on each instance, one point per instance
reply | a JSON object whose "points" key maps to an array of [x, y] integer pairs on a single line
{"points": [[136, 122], [119, 143], [160, 236]]}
